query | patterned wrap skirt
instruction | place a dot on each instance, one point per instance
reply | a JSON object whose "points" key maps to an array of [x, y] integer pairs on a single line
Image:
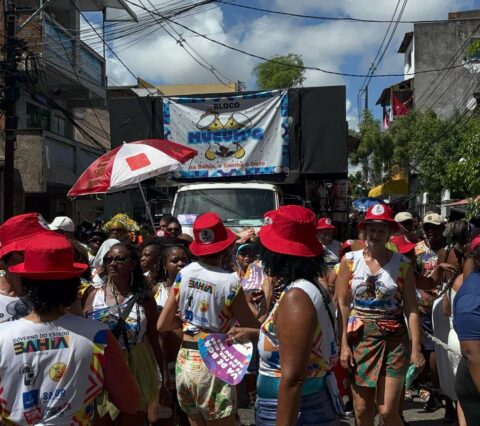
{"points": [[379, 348]]}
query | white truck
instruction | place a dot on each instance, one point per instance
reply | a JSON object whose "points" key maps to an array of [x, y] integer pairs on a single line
{"points": [[240, 205]]}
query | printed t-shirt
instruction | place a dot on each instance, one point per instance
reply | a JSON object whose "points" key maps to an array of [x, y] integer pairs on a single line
{"points": [[379, 295], [324, 354], [205, 295], [466, 308], [331, 254], [51, 372], [13, 308], [135, 324]]}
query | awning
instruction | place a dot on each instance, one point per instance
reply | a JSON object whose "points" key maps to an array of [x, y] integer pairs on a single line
{"points": [[398, 186], [464, 202], [117, 7]]}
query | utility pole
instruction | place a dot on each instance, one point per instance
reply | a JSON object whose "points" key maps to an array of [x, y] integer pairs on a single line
{"points": [[10, 79]]}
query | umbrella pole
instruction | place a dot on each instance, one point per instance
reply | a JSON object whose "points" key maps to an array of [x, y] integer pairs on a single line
{"points": [[147, 207]]}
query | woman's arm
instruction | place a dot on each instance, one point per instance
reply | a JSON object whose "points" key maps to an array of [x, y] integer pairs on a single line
{"points": [[242, 312], [296, 321], [471, 351], [151, 312], [168, 319], [344, 301], [410, 307]]}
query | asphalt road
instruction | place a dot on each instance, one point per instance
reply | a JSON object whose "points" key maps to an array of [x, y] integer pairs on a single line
{"points": [[414, 415]]}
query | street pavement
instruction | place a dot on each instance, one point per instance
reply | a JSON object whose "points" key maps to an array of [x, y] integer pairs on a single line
{"points": [[414, 415]]}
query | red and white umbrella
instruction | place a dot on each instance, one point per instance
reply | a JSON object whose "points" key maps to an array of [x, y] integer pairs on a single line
{"points": [[129, 164]]}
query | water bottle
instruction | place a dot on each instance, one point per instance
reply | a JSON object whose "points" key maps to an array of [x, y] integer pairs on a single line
{"points": [[412, 374]]}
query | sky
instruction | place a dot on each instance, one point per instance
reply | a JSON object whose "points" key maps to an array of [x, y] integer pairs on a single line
{"points": [[339, 46]]}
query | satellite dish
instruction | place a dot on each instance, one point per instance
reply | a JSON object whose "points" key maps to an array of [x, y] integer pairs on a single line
{"points": [[472, 104]]}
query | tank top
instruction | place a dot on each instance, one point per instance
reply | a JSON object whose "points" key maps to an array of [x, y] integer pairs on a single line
{"points": [[136, 322], [379, 295], [51, 372], [205, 295], [324, 353]]}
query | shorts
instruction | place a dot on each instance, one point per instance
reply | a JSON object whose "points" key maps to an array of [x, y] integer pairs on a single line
{"points": [[315, 409], [199, 391]]}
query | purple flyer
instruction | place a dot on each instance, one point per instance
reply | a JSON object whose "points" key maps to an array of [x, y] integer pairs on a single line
{"points": [[227, 361]]}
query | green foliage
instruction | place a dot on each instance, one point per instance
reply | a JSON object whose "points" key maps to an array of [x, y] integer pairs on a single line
{"points": [[359, 186], [473, 48], [272, 75], [443, 154]]}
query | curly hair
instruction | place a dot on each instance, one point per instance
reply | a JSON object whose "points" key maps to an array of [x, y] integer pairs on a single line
{"points": [[45, 296], [138, 285], [290, 268]]}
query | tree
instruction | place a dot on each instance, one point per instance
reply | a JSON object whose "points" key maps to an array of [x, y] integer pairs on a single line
{"points": [[275, 75]]}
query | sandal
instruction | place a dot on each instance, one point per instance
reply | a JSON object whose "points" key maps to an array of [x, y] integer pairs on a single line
{"points": [[424, 394]]}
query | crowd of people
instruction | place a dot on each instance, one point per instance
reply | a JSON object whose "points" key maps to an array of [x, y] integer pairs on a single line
{"points": [[105, 323]]}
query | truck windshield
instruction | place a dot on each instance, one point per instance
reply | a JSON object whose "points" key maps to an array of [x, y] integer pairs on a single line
{"points": [[235, 206]]}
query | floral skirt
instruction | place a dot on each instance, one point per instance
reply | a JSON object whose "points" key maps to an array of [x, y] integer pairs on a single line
{"points": [[379, 351]]}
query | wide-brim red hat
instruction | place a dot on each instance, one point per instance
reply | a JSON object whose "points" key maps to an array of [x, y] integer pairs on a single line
{"points": [[325, 223], [48, 257], [380, 213], [18, 230], [292, 232], [403, 245], [210, 235]]}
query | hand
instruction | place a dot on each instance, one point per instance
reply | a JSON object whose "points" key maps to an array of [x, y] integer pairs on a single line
{"points": [[417, 359], [446, 267], [346, 358], [242, 334]]}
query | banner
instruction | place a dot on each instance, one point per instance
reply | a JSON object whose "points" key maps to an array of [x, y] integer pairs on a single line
{"points": [[244, 135], [227, 361]]}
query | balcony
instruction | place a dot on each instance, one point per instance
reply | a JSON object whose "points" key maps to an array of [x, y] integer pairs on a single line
{"points": [[73, 70]]}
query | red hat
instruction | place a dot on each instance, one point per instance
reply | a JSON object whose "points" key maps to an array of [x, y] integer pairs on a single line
{"points": [[269, 216], [475, 243], [292, 232], [210, 235], [380, 213], [48, 257], [325, 223], [403, 245], [18, 230]]}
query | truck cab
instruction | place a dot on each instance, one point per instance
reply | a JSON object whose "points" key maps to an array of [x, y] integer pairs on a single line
{"points": [[240, 205]]}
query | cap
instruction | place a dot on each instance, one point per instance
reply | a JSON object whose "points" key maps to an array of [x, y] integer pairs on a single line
{"points": [[62, 223], [403, 216]]}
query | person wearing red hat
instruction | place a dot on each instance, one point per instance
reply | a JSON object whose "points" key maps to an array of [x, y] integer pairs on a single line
{"points": [[14, 235], [53, 364], [207, 299], [375, 288], [297, 343], [331, 247]]}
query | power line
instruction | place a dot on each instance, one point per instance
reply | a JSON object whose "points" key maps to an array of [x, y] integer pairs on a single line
{"points": [[335, 18], [253, 55]]}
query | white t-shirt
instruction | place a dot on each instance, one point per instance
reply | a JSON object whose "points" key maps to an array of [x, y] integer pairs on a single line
{"points": [[51, 372], [12, 308], [205, 295]]}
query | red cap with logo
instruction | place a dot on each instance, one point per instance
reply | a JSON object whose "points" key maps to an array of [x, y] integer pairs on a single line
{"points": [[210, 235], [380, 213], [325, 223], [403, 245], [18, 230]]}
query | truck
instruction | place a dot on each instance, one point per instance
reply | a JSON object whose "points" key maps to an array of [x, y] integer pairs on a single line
{"points": [[316, 175], [240, 205]]}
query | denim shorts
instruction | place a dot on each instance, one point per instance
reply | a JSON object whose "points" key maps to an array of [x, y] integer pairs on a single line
{"points": [[315, 409]]}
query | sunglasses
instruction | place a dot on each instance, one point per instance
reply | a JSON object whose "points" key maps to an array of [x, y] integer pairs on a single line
{"points": [[117, 259]]}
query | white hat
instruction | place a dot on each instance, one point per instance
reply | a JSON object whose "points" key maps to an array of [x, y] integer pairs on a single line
{"points": [[62, 223], [434, 219], [403, 216]]}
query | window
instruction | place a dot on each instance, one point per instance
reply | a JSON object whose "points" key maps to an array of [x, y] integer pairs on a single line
{"points": [[59, 125], [37, 117]]}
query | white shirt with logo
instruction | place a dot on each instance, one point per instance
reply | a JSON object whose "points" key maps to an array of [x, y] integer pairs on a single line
{"points": [[12, 308], [205, 295], [52, 372]]}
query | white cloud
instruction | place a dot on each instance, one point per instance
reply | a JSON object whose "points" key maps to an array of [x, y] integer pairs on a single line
{"points": [[334, 45]]}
